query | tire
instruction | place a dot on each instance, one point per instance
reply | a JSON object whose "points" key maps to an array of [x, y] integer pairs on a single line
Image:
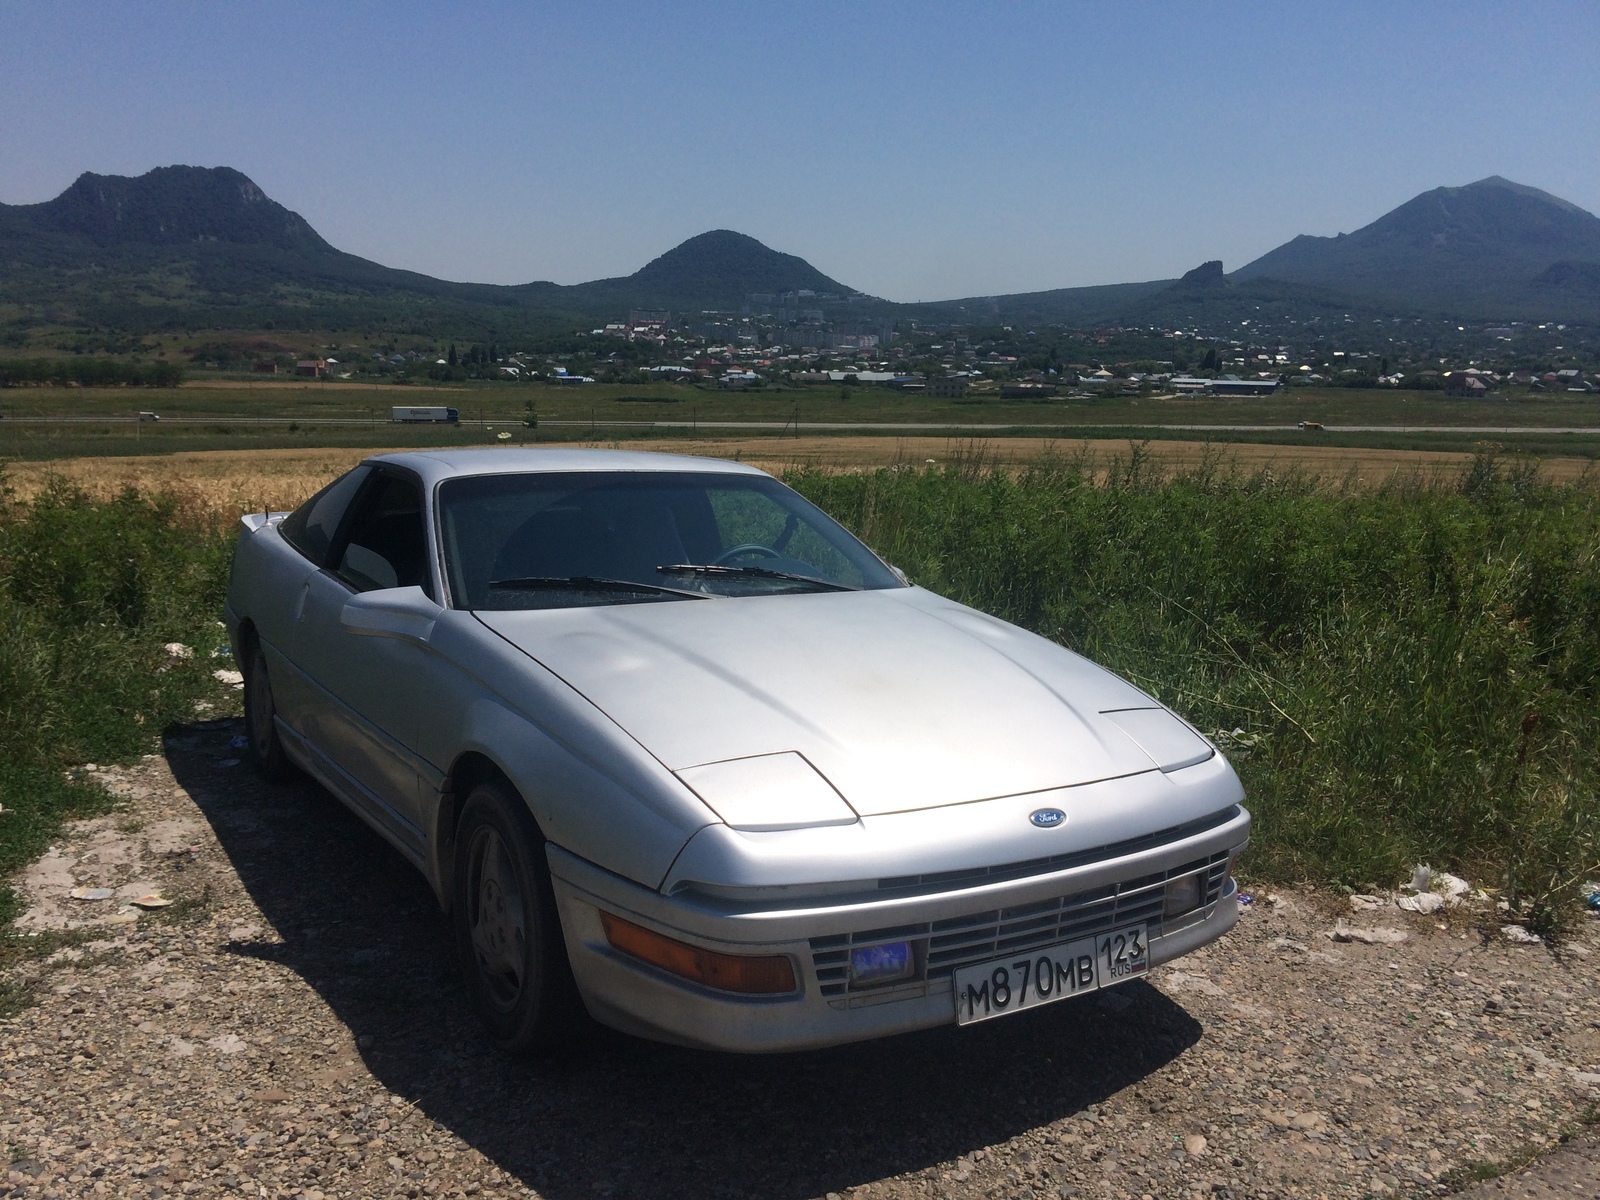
{"points": [[506, 929], [265, 749]]}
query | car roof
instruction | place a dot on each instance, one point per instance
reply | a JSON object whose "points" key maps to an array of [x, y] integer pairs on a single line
{"points": [[436, 465]]}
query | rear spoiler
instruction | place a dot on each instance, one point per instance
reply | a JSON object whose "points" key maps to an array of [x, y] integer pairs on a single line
{"points": [[256, 521]]}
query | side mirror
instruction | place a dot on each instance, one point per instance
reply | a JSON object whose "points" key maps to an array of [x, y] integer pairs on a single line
{"points": [[405, 613]]}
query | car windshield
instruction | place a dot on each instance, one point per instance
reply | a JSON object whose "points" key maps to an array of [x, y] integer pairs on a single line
{"points": [[566, 539]]}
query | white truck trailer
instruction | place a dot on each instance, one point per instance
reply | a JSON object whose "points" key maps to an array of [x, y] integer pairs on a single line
{"points": [[424, 415]]}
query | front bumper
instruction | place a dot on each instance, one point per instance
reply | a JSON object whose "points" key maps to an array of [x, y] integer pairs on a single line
{"points": [[637, 998]]}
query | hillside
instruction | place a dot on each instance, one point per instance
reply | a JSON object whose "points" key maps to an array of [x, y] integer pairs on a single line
{"points": [[1491, 248], [172, 206], [192, 247], [716, 269], [187, 247]]}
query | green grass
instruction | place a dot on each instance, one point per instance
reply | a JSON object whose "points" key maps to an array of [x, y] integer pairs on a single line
{"points": [[90, 592], [613, 403], [1413, 672], [1404, 674], [243, 419]]}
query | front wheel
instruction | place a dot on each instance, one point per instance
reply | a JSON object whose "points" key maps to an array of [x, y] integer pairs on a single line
{"points": [[506, 931], [260, 725]]}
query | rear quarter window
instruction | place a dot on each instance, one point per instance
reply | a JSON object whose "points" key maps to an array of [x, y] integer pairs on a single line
{"points": [[310, 528]]}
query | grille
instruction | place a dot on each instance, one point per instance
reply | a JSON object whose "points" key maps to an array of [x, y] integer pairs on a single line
{"points": [[943, 946], [944, 880]]}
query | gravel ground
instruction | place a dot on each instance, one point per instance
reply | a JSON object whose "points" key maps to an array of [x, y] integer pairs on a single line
{"points": [[292, 1026]]}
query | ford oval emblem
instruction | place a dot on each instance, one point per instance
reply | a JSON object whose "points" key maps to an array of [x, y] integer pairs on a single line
{"points": [[1047, 818]]}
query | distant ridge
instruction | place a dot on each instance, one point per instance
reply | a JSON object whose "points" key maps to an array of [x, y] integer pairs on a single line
{"points": [[715, 262], [1482, 248], [227, 254], [172, 206], [193, 247]]}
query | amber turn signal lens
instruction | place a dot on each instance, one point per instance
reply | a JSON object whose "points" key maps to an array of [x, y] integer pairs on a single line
{"points": [[765, 974]]}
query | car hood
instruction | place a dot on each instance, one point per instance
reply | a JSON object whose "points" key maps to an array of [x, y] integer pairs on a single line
{"points": [[900, 699]]}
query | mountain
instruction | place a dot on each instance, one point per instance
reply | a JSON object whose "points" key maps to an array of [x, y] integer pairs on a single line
{"points": [[171, 206], [1491, 248], [189, 247], [193, 247], [719, 266]]}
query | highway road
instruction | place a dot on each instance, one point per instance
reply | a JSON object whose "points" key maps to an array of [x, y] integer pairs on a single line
{"points": [[823, 426]]}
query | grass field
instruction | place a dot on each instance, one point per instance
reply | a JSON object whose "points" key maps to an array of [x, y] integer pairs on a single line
{"points": [[90, 594], [229, 482], [285, 415], [1405, 671]]}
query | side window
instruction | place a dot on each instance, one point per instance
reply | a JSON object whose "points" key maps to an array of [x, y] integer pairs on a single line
{"points": [[310, 528], [384, 546]]}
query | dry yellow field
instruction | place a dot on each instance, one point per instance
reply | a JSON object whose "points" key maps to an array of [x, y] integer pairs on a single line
{"points": [[235, 481]]}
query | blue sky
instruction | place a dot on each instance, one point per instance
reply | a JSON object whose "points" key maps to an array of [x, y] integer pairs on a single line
{"points": [[916, 151]]}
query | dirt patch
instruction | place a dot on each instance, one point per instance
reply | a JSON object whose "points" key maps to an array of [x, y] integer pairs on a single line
{"points": [[235, 481], [293, 1026]]}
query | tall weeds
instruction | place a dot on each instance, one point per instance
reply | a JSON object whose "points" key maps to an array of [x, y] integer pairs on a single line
{"points": [[1404, 674], [1401, 675], [90, 594]]}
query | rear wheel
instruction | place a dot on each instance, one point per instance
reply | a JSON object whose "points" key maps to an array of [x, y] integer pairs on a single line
{"points": [[506, 931], [260, 727]]}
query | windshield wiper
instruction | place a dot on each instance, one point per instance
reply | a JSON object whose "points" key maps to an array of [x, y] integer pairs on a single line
{"points": [[760, 572], [591, 583]]}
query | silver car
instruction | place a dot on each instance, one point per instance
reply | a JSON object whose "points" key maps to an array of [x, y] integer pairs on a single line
{"points": [[675, 748]]}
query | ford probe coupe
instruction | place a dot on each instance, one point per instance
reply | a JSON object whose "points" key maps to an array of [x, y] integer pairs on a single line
{"points": [[674, 747]]}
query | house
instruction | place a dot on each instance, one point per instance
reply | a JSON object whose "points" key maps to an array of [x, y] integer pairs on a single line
{"points": [[1027, 390], [265, 368], [312, 367], [1459, 383], [949, 387], [1243, 387]]}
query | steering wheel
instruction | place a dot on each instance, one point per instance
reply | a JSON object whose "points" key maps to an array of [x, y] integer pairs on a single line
{"points": [[759, 551]]}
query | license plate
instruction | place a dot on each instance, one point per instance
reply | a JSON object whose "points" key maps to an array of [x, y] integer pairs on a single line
{"points": [[1027, 980]]}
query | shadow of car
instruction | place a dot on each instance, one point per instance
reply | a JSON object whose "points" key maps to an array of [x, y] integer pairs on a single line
{"points": [[619, 1115]]}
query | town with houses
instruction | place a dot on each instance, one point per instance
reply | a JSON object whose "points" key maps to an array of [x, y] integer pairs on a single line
{"points": [[800, 339]]}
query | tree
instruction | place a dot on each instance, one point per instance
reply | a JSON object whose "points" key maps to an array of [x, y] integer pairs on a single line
{"points": [[453, 359]]}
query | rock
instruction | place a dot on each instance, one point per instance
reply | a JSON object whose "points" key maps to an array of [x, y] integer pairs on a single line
{"points": [[1422, 902], [1188, 981], [272, 1095], [1364, 903], [228, 1043], [1520, 935], [1380, 936], [1308, 1121], [1194, 1144], [1280, 1120]]}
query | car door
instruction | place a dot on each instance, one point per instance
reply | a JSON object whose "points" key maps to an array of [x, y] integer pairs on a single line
{"points": [[310, 531], [364, 691]]}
